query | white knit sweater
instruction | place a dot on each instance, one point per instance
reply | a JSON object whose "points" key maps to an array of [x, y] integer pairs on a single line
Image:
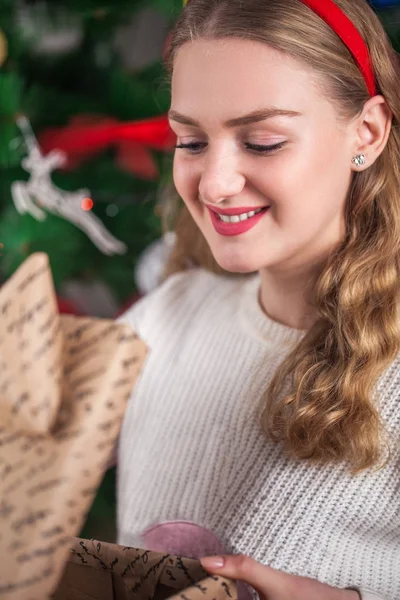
{"points": [[191, 449]]}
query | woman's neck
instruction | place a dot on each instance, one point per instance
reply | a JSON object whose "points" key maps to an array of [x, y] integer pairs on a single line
{"points": [[283, 299]]}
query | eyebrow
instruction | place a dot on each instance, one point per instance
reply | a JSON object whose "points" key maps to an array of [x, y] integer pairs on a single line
{"points": [[255, 116]]}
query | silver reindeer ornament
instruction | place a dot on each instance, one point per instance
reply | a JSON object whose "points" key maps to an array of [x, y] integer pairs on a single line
{"points": [[39, 194]]}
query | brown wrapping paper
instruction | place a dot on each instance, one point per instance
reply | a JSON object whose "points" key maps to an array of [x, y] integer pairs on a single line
{"points": [[64, 385], [103, 571]]}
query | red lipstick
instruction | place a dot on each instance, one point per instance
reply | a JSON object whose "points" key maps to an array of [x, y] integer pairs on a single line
{"points": [[231, 229]]}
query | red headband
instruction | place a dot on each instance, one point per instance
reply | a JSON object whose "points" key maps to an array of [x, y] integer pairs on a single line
{"points": [[348, 33]]}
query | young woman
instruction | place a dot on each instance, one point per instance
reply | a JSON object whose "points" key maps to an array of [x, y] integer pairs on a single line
{"points": [[266, 422]]}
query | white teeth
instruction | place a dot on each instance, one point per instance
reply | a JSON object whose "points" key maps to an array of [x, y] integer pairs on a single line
{"points": [[242, 217]]}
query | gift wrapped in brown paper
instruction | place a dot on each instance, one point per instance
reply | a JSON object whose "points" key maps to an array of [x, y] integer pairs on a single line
{"points": [[64, 386], [104, 571]]}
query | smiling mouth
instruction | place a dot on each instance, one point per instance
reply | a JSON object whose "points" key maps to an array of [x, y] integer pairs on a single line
{"points": [[240, 221], [241, 217]]}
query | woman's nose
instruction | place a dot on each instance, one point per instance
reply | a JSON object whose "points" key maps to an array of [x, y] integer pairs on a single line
{"points": [[221, 178]]}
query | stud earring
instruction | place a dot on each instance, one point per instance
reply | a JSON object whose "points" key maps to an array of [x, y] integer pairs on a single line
{"points": [[359, 160]]}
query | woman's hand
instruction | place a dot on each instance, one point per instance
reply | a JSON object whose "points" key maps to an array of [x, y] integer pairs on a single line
{"points": [[272, 584]]}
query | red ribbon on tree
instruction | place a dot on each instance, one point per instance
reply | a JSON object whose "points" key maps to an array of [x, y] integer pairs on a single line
{"points": [[86, 135]]}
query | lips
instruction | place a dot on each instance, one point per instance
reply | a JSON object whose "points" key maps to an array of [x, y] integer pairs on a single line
{"points": [[231, 229]]}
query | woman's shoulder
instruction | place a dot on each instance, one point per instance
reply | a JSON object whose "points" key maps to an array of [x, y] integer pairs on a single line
{"points": [[181, 294]]}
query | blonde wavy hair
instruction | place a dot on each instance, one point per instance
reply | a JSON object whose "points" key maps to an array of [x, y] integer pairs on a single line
{"points": [[328, 413]]}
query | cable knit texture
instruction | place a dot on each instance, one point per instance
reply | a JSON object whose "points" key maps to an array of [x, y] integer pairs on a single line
{"points": [[191, 448]]}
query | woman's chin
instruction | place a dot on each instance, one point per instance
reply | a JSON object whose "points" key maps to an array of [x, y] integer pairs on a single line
{"points": [[234, 265]]}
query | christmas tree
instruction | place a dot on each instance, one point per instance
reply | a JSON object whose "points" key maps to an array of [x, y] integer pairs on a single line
{"points": [[64, 65], [68, 64]]}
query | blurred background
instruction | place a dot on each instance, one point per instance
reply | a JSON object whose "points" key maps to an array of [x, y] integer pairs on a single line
{"points": [[85, 156]]}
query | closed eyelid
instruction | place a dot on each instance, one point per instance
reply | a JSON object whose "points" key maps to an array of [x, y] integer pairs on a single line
{"points": [[259, 135], [245, 139], [195, 148]]}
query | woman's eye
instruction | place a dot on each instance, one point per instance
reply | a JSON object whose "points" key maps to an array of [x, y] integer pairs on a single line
{"points": [[195, 148], [265, 149]]}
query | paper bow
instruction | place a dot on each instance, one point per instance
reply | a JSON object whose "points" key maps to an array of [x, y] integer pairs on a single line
{"points": [[104, 571], [64, 385]]}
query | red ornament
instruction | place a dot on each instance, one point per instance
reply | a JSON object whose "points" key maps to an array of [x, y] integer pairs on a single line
{"points": [[87, 204], [66, 307]]}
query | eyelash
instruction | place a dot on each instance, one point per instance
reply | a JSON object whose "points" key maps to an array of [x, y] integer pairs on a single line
{"points": [[257, 148]]}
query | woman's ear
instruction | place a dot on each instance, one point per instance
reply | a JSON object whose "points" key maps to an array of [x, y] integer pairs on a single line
{"points": [[373, 129]]}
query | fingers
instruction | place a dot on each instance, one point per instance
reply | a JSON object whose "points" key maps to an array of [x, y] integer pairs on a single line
{"points": [[264, 580], [270, 583]]}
